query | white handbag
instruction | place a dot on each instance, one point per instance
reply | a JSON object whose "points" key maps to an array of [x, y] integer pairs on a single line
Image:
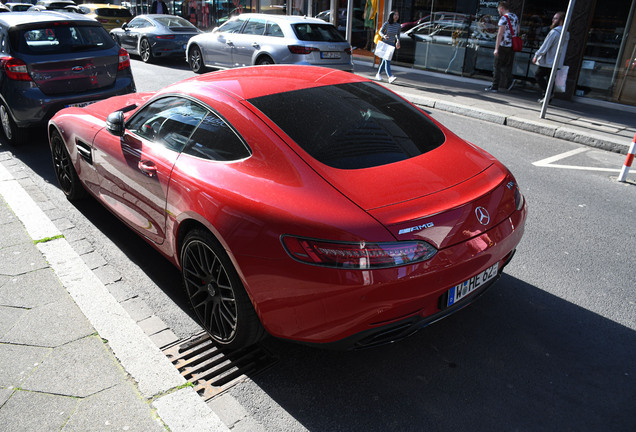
{"points": [[561, 78], [384, 50]]}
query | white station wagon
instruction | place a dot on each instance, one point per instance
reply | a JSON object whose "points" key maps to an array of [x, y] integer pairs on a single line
{"points": [[257, 39]]}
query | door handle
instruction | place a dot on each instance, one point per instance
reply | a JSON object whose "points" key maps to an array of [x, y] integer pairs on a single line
{"points": [[229, 43], [147, 168]]}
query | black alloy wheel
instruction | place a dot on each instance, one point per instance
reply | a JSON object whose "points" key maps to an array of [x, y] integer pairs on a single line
{"points": [[196, 60], [216, 293], [265, 60], [64, 170]]}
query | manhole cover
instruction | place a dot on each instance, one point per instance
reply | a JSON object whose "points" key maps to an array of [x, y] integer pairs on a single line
{"points": [[212, 370]]}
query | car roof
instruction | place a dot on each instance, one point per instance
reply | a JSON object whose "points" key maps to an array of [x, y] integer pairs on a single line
{"points": [[255, 81], [103, 5], [16, 19], [292, 19], [48, 2]]}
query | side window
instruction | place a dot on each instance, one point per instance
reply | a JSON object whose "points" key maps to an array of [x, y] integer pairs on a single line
{"points": [[139, 23], [274, 29], [255, 27], [168, 121], [232, 26], [215, 140]]}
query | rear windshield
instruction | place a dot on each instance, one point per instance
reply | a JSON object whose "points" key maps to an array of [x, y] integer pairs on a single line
{"points": [[317, 32], [175, 22], [352, 126], [61, 39], [114, 13]]}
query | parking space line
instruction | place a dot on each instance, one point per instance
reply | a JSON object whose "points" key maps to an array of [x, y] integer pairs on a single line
{"points": [[549, 162]]}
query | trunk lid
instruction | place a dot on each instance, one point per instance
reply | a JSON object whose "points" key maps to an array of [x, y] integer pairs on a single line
{"points": [[76, 75]]}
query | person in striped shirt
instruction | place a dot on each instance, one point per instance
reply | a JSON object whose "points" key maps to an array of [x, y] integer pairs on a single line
{"points": [[390, 34]]}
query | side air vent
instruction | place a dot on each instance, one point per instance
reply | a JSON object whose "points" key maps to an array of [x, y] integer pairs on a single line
{"points": [[84, 151]]}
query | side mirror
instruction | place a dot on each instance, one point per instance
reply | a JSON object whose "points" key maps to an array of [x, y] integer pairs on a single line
{"points": [[124, 26], [115, 123]]}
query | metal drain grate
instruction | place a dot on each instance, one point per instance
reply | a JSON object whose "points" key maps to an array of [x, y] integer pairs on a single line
{"points": [[212, 370]]}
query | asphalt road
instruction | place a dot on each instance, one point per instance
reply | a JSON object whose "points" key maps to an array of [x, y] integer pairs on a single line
{"points": [[551, 347]]}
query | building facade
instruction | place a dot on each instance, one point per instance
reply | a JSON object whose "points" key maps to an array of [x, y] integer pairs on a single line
{"points": [[457, 36]]}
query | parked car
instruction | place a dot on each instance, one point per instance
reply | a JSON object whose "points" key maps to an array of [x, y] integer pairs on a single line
{"points": [[57, 5], [110, 16], [52, 60], [445, 17], [18, 7], [311, 204], [154, 36], [257, 39], [444, 33]]}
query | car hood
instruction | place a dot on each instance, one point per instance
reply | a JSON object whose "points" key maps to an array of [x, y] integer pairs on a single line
{"points": [[128, 103]]}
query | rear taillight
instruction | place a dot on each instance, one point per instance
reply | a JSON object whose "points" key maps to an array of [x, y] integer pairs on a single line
{"points": [[124, 59], [165, 37], [348, 51], [102, 20], [299, 49], [359, 255], [15, 69]]}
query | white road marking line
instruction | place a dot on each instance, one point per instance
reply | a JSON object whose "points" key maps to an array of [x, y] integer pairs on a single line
{"points": [[549, 162]]}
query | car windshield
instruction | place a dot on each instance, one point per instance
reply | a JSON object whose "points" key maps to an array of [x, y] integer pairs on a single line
{"points": [[52, 38], [352, 126], [317, 32]]}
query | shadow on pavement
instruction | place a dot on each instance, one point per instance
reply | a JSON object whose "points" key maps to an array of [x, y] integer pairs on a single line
{"points": [[518, 359]]}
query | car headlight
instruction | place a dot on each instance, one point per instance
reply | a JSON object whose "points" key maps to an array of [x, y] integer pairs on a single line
{"points": [[358, 255]]}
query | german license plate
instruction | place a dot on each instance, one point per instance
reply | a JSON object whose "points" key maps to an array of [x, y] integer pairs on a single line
{"points": [[330, 55], [460, 291], [81, 104]]}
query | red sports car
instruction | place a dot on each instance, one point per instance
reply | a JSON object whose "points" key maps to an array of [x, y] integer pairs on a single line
{"points": [[307, 203]]}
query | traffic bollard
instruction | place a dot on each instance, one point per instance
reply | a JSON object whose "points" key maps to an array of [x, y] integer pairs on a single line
{"points": [[628, 161]]}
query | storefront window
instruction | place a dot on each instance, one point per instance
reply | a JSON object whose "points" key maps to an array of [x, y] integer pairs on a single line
{"points": [[607, 52]]}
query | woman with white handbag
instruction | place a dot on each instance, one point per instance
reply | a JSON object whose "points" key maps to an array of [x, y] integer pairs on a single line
{"points": [[390, 41], [545, 56]]}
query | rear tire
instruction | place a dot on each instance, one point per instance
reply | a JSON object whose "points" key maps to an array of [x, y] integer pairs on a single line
{"points": [[10, 130], [64, 170], [195, 59], [216, 292], [265, 60], [145, 52]]}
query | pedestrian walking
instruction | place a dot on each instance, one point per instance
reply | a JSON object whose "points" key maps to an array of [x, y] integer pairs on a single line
{"points": [[158, 7], [390, 35], [504, 55], [545, 56]]}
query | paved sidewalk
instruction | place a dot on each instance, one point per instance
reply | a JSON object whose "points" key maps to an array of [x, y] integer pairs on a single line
{"points": [[71, 358], [594, 123]]}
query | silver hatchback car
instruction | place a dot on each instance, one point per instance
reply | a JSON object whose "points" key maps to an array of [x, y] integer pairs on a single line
{"points": [[256, 39]]}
